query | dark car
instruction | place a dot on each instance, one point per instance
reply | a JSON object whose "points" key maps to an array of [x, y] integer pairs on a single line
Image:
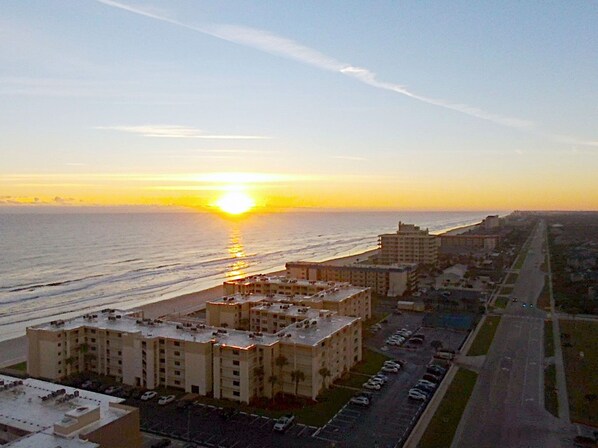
{"points": [[426, 389], [365, 394], [433, 378], [161, 443], [436, 370]]}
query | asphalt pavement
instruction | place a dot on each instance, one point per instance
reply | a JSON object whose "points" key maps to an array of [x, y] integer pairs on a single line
{"points": [[506, 408]]}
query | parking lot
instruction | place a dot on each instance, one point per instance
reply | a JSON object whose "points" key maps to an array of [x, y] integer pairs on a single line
{"points": [[214, 427], [391, 414]]}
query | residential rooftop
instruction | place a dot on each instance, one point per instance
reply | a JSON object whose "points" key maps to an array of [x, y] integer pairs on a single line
{"points": [[39, 407], [288, 310], [313, 331]]}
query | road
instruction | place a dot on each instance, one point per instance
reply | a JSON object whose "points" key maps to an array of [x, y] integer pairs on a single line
{"points": [[506, 408]]}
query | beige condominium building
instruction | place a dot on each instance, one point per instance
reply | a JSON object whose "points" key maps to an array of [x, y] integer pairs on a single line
{"points": [[385, 280], [39, 414], [342, 297], [409, 244], [203, 359]]}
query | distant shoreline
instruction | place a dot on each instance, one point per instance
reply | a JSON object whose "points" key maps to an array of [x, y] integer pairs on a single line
{"points": [[14, 350]]}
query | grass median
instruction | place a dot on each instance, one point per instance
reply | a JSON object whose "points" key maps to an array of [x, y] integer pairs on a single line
{"points": [[580, 354], [442, 427], [484, 338], [551, 402], [548, 339]]}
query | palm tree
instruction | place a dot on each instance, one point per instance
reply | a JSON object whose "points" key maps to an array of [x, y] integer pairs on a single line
{"points": [[324, 373], [272, 379], [259, 373], [590, 398], [281, 361], [69, 362], [297, 376]]}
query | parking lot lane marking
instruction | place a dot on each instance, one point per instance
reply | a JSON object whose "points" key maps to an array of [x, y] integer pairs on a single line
{"points": [[257, 417], [301, 432]]}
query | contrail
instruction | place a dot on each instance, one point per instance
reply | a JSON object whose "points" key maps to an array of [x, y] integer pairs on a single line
{"points": [[287, 48]]}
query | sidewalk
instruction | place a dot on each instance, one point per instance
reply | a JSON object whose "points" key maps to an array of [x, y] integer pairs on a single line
{"points": [[561, 381]]}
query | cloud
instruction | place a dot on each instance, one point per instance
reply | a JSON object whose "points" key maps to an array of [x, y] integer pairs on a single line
{"points": [[348, 158], [284, 47], [175, 131]]}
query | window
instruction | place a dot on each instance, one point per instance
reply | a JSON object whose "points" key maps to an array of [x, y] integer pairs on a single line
{"points": [[177, 343], [235, 363], [236, 393], [177, 353], [162, 370], [236, 383], [235, 352], [236, 372], [59, 344], [177, 363], [177, 372], [177, 382], [162, 351], [93, 339]]}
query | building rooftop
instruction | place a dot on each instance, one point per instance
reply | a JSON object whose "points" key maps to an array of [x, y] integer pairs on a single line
{"points": [[281, 279], [235, 299], [288, 310], [35, 407], [339, 294], [313, 331], [405, 267], [155, 328]]}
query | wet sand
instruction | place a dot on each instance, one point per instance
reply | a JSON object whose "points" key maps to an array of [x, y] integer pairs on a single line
{"points": [[13, 351]]}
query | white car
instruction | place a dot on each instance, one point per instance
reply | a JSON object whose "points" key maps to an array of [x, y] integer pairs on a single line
{"points": [[361, 401], [150, 394], [384, 348], [372, 386], [390, 369], [427, 383], [164, 400], [284, 423], [415, 394], [382, 378], [392, 364]]}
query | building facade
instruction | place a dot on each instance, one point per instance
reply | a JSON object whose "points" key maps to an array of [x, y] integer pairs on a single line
{"points": [[409, 244], [202, 359], [385, 280], [469, 242]]}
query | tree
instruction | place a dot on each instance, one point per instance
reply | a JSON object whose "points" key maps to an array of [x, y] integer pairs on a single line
{"points": [[281, 361], [324, 373], [272, 379], [590, 398], [436, 345], [297, 376]]}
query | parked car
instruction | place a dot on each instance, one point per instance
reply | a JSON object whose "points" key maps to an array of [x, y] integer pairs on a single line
{"points": [[360, 400], [161, 443], [392, 364], [398, 312], [381, 377], [419, 336], [284, 423], [416, 341], [110, 390], [444, 355], [415, 394], [165, 399], [149, 395], [427, 383], [436, 370], [372, 386], [366, 394], [423, 388], [390, 369], [432, 378]]}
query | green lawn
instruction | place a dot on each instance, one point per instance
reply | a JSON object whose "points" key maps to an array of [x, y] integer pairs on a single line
{"points": [[520, 260], [506, 290], [511, 278], [581, 370], [370, 363], [482, 342], [551, 402], [501, 302], [22, 366], [353, 380], [544, 298], [442, 427], [548, 339]]}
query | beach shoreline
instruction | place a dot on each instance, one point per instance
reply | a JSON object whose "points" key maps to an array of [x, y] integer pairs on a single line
{"points": [[13, 351]]}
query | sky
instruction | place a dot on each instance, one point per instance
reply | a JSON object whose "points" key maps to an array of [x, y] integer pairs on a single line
{"points": [[425, 105]]}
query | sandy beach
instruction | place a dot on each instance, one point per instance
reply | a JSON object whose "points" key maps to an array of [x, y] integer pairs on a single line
{"points": [[13, 351]]}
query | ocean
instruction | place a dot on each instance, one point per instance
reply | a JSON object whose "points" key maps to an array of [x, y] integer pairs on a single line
{"points": [[61, 265]]}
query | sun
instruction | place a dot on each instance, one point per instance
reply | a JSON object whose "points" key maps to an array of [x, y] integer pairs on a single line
{"points": [[235, 203]]}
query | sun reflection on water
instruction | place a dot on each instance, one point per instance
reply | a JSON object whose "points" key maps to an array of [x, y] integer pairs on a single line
{"points": [[237, 268]]}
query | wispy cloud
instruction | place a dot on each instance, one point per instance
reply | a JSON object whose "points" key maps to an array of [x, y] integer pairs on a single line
{"points": [[175, 131], [281, 46], [348, 158]]}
